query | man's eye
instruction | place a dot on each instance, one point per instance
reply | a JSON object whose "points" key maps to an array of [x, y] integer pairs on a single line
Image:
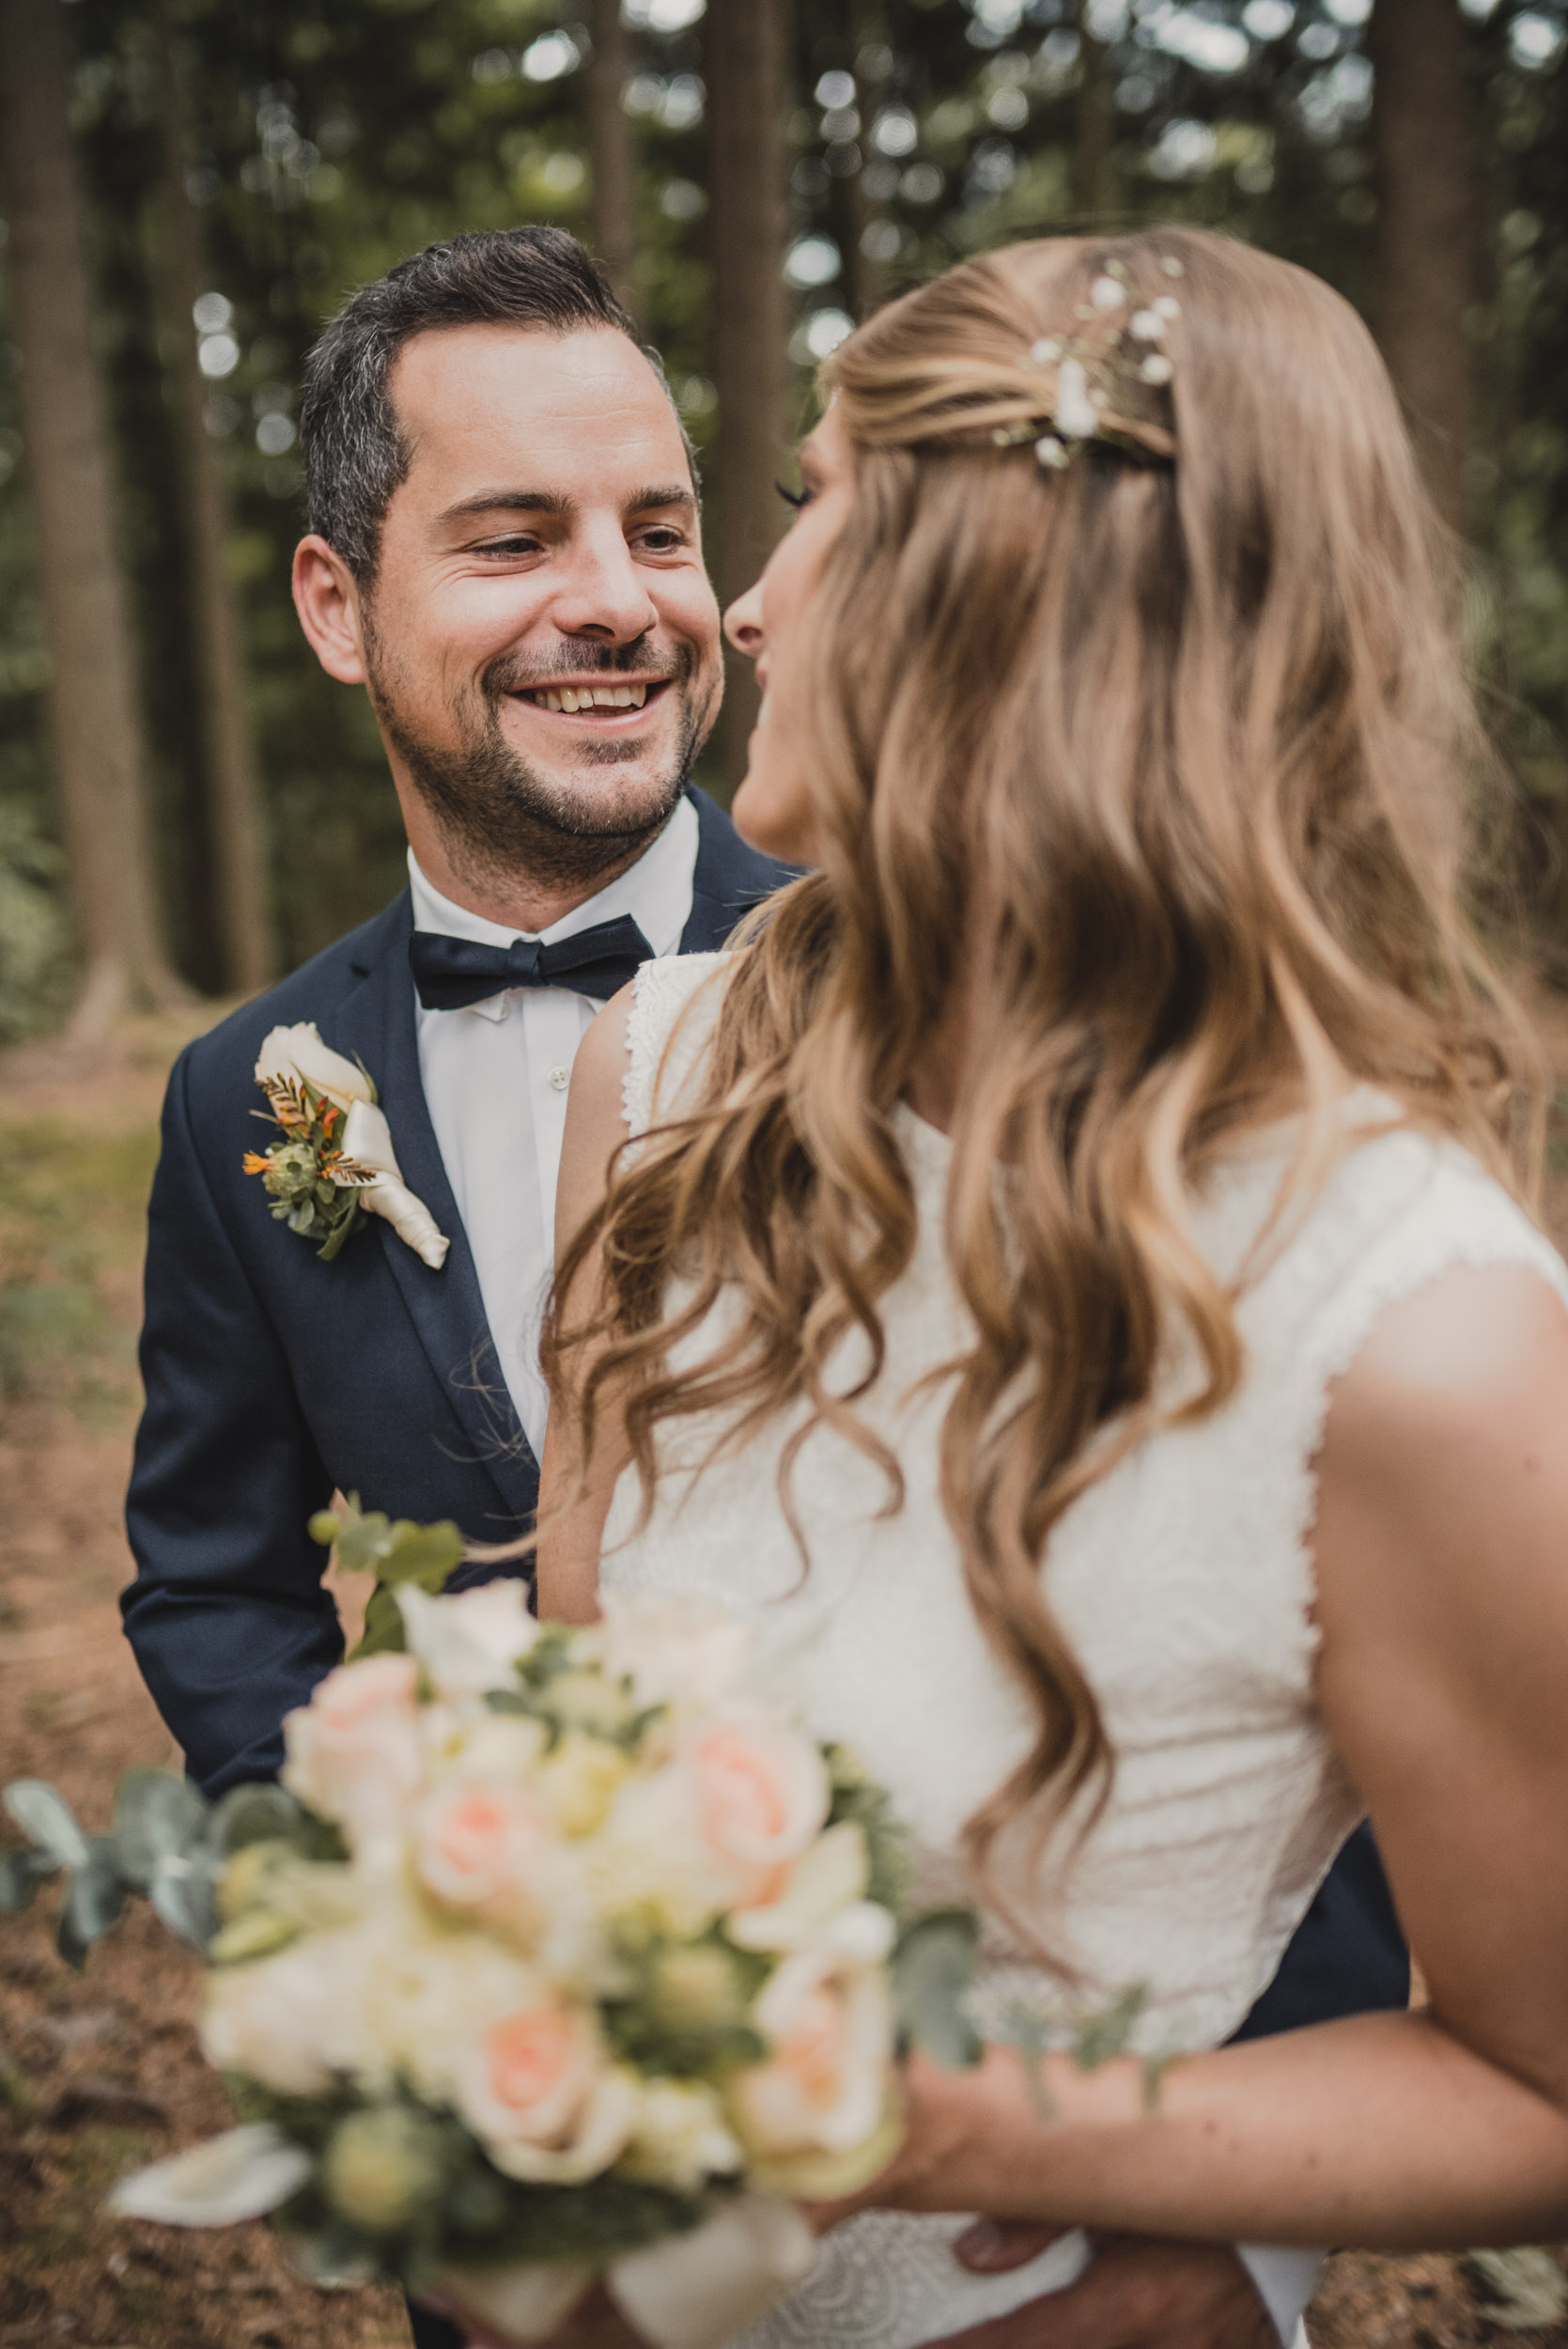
{"points": [[662, 541], [509, 545]]}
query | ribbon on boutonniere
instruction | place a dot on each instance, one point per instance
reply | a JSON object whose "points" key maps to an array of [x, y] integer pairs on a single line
{"points": [[335, 1162]]}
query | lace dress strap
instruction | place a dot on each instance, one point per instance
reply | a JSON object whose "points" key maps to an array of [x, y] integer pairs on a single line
{"points": [[1421, 1208], [675, 1003]]}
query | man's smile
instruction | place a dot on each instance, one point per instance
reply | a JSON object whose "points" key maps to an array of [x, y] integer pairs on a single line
{"points": [[604, 704]]}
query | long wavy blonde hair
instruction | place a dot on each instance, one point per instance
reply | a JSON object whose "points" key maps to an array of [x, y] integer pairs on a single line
{"points": [[1170, 768]]}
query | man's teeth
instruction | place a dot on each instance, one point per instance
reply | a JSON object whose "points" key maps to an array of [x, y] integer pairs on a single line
{"points": [[569, 701]]}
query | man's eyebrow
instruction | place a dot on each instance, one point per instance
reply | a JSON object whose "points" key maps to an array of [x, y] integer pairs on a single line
{"points": [[552, 502], [645, 500], [508, 501]]}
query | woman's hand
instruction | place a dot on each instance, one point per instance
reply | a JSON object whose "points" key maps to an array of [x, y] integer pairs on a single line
{"points": [[965, 2134]]}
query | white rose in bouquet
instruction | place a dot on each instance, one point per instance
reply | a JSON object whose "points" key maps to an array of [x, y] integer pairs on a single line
{"points": [[291, 2021], [824, 2089], [355, 1751], [492, 1852], [718, 1826], [469, 1643], [821, 1901], [540, 2095], [674, 1651]]}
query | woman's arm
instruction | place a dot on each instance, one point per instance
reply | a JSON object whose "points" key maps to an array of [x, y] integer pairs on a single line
{"points": [[1442, 1565], [574, 1494]]}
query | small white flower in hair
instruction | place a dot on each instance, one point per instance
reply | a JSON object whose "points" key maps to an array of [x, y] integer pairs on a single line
{"points": [[1168, 307], [1076, 417], [1172, 267], [1156, 369], [1106, 294], [1044, 351], [1052, 452], [1147, 326]]}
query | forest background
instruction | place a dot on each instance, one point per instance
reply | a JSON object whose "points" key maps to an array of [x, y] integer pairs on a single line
{"points": [[188, 806], [189, 187]]}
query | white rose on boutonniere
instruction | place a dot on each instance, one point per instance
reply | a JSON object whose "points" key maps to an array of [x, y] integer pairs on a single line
{"points": [[335, 1159]]}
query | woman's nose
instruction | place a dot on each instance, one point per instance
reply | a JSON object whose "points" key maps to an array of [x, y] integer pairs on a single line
{"points": [[743, 623]]}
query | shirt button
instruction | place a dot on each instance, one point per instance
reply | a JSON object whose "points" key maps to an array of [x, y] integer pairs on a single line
{"points": [[560, 1078]]}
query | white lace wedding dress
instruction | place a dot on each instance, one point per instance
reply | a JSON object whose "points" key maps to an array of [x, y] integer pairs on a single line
{"points": [[1184, 1581]]}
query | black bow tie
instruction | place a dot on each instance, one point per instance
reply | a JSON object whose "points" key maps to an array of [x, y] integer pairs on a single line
{"points": [[453, 972]]}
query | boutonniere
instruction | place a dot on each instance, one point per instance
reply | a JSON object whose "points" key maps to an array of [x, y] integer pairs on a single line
{"points": [[335, 1161]]}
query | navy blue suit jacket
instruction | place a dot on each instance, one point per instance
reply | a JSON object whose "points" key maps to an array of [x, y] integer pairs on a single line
{"points": [[273, 1380]]}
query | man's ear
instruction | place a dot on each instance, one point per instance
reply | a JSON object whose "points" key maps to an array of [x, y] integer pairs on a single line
{"points": [[327, 598]]}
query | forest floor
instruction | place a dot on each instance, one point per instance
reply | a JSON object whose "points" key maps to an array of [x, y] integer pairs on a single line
{"points": [[100, 2071]]}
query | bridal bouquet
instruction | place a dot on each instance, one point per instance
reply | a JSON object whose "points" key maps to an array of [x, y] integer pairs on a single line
{"points": [[558, 1955]]}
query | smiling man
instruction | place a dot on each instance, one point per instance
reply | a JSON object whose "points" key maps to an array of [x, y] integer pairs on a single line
{"points": [[505, 552]]}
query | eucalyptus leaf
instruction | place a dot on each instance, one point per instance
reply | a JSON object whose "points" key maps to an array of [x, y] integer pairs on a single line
{"points": [[94, 1899], [933, 1970], [1103, 2037], [47, 1820], [156, 1816], [265, 1813], [20, 1873], [185, 1897]]}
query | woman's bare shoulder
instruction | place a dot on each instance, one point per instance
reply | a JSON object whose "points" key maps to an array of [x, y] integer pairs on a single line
{"points": [[595, 1117]]}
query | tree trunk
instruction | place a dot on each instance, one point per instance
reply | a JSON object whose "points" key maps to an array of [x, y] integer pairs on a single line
{"points": [[743, 54], [1423, 142], [1094, 131], [231, 789], [610, 150], [97, 728]]}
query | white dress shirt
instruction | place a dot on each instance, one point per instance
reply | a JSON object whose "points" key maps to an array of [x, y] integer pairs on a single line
{"points": [[495, 1078]]}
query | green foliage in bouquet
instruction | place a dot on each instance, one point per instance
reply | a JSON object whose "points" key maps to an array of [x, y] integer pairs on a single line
{"points": [[167, 1845], [397, 2189], [394, 1550]]}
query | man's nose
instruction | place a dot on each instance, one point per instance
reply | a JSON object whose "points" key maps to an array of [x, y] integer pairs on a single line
{"points": [[605, 593]]}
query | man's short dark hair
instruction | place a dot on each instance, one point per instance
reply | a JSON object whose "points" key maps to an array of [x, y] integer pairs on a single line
{"points": [[354, 454]]}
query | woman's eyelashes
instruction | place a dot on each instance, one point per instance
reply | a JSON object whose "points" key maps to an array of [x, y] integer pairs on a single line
{"points": [[795, 497]]}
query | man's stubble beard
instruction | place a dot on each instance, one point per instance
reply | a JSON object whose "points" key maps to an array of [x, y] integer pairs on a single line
{"points": [[501, 817]]}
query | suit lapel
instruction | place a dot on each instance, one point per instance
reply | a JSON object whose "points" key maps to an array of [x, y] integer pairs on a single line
{"points": [[377, 1023], [729, 877]]}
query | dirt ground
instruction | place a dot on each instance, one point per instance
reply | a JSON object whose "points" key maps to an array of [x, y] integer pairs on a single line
{"points": [[100, 2071]]}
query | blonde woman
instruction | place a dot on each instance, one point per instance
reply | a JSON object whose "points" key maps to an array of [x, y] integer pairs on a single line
{"points": [[1071, 1288]]}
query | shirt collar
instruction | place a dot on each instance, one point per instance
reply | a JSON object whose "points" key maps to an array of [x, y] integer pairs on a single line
{"points": [[656, 891]]}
